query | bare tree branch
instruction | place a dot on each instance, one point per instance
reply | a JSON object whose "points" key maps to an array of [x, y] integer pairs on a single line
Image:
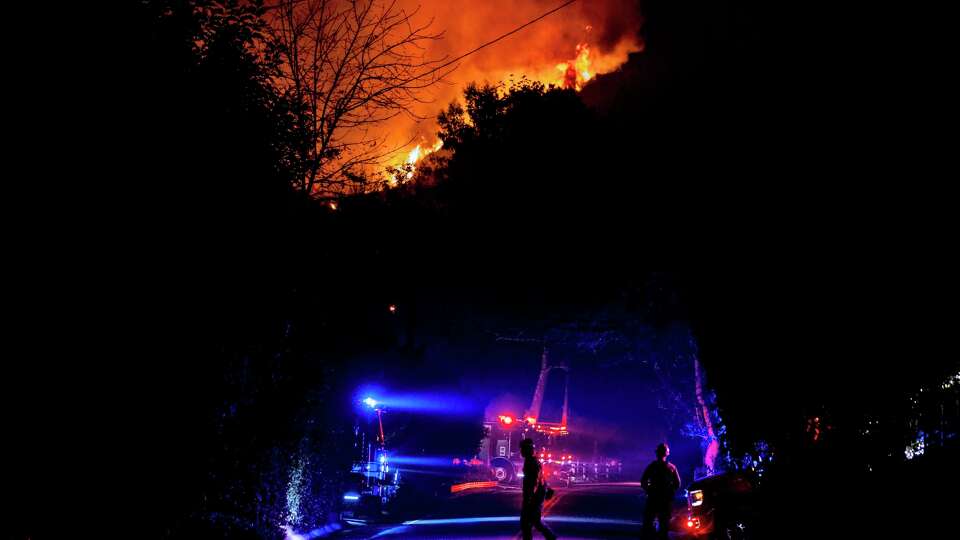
{"points": [[350, 65]]}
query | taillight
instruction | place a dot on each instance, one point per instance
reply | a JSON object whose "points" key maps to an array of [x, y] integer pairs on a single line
{"points": [[693, 522]]}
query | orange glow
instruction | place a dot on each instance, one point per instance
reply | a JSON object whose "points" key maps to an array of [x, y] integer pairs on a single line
{"points": [[566, 50], [506, 419], [531, 420]]}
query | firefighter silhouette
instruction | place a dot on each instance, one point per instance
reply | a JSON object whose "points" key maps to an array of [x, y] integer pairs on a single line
{"points": [[534, 490], [661, 481]]}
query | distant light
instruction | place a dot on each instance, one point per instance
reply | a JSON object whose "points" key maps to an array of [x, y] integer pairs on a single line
{"points": [[917, 448], [350, 497], [333, 206], [506, 419], [392, 308], [383, 458], [689, 523], [531, 420], [370, 402]]}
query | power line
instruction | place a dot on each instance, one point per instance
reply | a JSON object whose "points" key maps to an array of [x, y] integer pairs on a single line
{"points": [[491, 42], [475, 49]]}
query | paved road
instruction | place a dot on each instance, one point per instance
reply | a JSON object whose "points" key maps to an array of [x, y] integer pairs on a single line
{"points": [[600, 511]]}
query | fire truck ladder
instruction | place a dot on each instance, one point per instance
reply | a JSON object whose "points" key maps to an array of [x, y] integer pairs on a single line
{"points": [[545, 368]]}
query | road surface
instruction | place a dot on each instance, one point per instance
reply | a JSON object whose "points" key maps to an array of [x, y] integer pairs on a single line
{"points": [[590, 511]]}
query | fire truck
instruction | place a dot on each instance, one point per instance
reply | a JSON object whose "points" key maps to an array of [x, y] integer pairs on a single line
{"points": [[372, 481], [565, 457], [371, 485]]}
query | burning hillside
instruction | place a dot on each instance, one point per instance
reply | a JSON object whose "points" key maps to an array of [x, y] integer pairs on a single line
{"points": [[566, 50], [369, 76]]}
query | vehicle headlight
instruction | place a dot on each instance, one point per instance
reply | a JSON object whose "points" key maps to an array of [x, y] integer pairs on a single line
{"points": [[696, 497]]}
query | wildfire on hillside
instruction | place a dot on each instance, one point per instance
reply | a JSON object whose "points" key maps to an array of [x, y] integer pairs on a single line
{"points": [[570, 74]]}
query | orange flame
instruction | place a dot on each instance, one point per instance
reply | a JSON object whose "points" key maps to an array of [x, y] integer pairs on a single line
{"points": [[578, 71], [418, 153]]}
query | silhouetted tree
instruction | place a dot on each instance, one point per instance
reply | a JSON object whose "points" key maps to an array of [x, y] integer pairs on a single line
{"points": [[209, 152], [350, 65]]}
